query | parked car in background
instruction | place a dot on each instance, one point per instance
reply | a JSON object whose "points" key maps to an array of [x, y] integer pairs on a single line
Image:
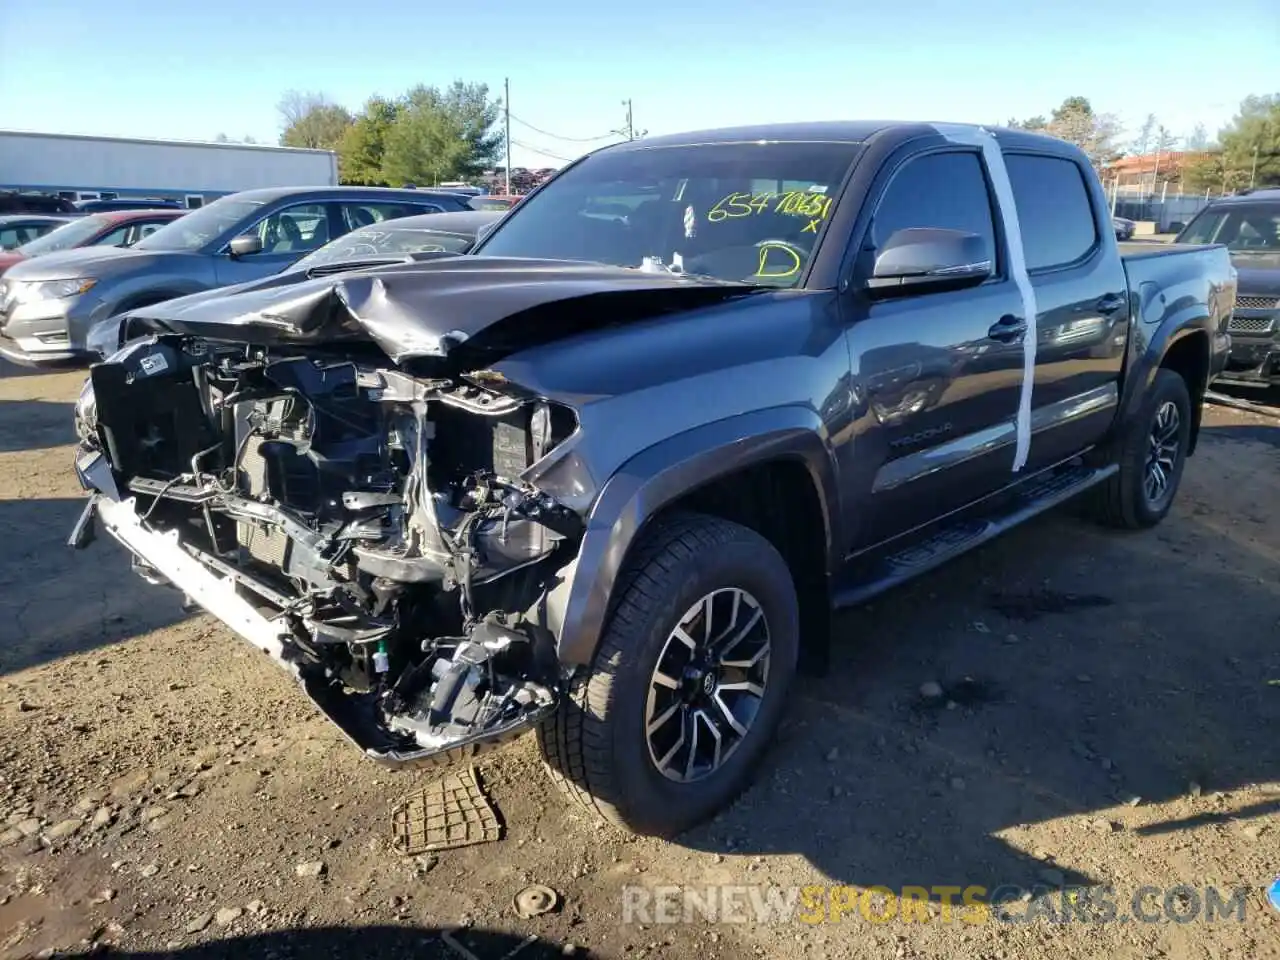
{"points": [[13, 201], [606, 478], [19, 228], [1248, 224], [143, 203], [495, 202], [1123, 228], [395, 241], [122, 229], [48, 305]]}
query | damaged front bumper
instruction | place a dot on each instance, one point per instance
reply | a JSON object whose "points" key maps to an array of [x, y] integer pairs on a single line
{"points": [[162, 558], [219, 593]]}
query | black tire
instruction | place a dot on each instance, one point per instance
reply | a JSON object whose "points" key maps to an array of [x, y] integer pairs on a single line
{"points": [[1123, 500], [596, 746]]}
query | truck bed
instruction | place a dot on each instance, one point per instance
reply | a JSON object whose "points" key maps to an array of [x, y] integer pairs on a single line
{"points": [[1188, 276], [1145, 249]]}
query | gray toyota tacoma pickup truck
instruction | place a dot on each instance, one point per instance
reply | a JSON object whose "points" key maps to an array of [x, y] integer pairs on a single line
{"points": [[607, 476]]}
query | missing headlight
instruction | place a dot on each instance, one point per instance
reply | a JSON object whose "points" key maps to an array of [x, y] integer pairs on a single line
{"points": [[86, 415]]}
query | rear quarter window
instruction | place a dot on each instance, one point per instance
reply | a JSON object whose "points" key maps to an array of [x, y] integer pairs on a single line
{"points": [[1054, 210]]}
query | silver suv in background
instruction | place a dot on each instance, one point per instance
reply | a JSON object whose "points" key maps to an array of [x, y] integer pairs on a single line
{"points": [[48, 305]]}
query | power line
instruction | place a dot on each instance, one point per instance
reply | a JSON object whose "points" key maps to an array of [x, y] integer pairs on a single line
{"points": [[556, 136], [540, 152]]}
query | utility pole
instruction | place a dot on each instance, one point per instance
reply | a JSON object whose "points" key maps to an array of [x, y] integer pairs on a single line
{"points": [[506, 105], [629, 131], [1253, 173]]}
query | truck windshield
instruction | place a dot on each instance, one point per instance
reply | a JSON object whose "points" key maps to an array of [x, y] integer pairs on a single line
{"points": [[70, 235], [195, 229], [1243, 227], [741, 212]]}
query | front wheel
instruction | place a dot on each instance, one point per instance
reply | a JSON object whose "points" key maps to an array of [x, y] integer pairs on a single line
{"points": [[1152, 456], [688, 683]]}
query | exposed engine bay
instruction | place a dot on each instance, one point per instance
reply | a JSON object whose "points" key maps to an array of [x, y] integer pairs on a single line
{"points": [[376, 521]]}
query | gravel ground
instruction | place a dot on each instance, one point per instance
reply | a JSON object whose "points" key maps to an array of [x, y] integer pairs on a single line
{"points": [[1067, 705]]}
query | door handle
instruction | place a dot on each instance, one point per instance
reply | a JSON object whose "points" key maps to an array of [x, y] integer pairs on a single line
{"points": [[1007, 329], [1110, 303]]}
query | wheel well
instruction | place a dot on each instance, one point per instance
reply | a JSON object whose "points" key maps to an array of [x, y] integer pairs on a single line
{"points": [[1189, 358], [778, 500]]}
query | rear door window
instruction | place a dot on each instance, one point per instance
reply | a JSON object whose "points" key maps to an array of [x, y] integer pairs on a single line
{"points": [[1054, 210], [116, 238], [366, 213]]}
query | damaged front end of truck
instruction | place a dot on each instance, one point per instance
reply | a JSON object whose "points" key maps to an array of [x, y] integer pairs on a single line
{"points": [[330, 474]]}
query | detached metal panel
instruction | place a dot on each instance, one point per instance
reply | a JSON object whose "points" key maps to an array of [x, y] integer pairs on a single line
{"points": [[53, 162]]}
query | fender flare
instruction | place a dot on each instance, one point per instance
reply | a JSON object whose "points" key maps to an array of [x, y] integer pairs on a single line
{"points": [[576, 608], [1160, 334]]}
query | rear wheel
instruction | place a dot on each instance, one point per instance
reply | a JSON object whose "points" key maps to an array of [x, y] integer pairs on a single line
{"points": [[1152, 457], [688, 683]]}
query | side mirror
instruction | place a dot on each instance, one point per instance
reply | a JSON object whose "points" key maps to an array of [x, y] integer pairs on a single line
{"points": [[921, 259], [245, 245]]}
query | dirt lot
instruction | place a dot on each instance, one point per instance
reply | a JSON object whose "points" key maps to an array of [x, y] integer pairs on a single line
{"points": [[1110, 716]]}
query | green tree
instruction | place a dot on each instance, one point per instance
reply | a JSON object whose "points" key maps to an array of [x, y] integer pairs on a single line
{"points": [[1198, 140], [312, 120], [1251, 142], [1142, 142], [1076, 122], [1248, 150], [442, 135], [364, 144], [1095, 133], [1209, 173]]}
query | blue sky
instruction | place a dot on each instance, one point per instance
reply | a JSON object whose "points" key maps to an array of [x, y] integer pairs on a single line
{"points": [[190, 69]]}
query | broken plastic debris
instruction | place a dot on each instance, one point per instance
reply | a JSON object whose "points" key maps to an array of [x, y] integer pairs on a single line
{"points": [[447, 813]]}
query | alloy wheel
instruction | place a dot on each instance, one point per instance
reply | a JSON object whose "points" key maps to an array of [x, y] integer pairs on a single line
{"points": [[1162, 452], [708, 685]]}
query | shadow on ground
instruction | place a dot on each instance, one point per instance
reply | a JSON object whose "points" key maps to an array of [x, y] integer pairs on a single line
{"points": [[35, 425], [10, 370], [1081, 669], [55, 601], [365, 943], [1268, 433]]}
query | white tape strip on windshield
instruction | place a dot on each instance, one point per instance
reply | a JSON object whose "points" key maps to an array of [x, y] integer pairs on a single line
{"points": [[980, 137]]}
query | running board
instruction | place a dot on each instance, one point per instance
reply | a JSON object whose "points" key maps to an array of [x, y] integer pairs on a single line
{"points": [[872, 575]]}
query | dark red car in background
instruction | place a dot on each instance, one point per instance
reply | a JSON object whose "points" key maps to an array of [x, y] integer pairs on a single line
{"points": [[121, 228], [494, 201]]}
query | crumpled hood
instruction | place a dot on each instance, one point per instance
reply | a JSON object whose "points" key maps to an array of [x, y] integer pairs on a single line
{"points": [[434, 308]]}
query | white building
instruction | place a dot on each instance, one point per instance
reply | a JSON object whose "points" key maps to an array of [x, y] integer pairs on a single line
{"points": [[91, 168]]}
